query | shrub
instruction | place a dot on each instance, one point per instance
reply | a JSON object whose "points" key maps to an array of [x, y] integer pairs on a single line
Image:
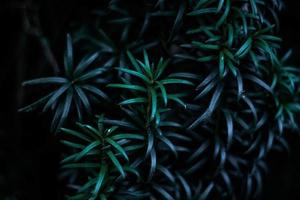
{"points": [[172, 100]]}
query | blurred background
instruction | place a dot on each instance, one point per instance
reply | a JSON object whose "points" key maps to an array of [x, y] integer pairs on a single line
{"points": [[29, 154]]}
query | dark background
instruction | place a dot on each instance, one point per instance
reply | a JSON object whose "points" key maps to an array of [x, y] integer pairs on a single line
{"points": [[29, 154]]}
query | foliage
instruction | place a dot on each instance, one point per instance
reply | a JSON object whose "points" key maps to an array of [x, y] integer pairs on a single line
{"points": [[72, 88], [194, 118]]}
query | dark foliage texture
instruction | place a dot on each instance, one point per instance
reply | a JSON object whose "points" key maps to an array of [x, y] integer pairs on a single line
{"points": [[160, 99]]}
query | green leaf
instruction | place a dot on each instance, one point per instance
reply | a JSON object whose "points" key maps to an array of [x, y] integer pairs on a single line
{"points": [[76, 134], [206, 58], [150, 142], [215, 98], [186, 186], [204, 46], [84, 63], [177, 100], [78, 196], [66, 108], [226, 180], [166, 172], [95, 91], [101, 176], [87, 149], [178, 136], [45, 80], [170, 124], [170, 145], [71, 157], [111, 130], [126, 86], [57, 116], [161, 66], [225, 14], [243, 18], [207, 191], [69, 56], [133, 170], [221, 65], [271, 38], [229, 123], [253, 7], [259, 82], [91, 74], [136, 74], [212, 105], [244, 49], [146, 61], [251, 106], [106, 40], [134, 62], [153, 103], [152, 163], [100, 124], [116, 163], [249, 184], [117, 147], [175, 81], [232, 68], [163, 192], [58, 93], [89, 184], [134, 101], [240, 84], [203, 11], [201, 149], [212, 75], [178, 20], [120, 123], [72, 144], [184, 75], [84, 99], [92, 131], [220, 5], [134, 147], [163, 92], [230, 35], [78, 108], [36, 104], [147, 69], [81, 165], [127, 136]]}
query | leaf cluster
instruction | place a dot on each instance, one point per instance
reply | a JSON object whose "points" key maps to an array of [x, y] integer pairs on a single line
{"points": [[199, 95]]}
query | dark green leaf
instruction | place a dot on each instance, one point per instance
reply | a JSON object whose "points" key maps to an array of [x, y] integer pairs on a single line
{"points": [[126, 86], [95, 90], [117, 147], [244, 49], [176, 81], [116, 163], [136, 74], [87, 149], [84, 63], [203, 11], [152, 164], [204, 46], [69, 56], [101, 176], [153, 103], [134, 101], [46, 80]]}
